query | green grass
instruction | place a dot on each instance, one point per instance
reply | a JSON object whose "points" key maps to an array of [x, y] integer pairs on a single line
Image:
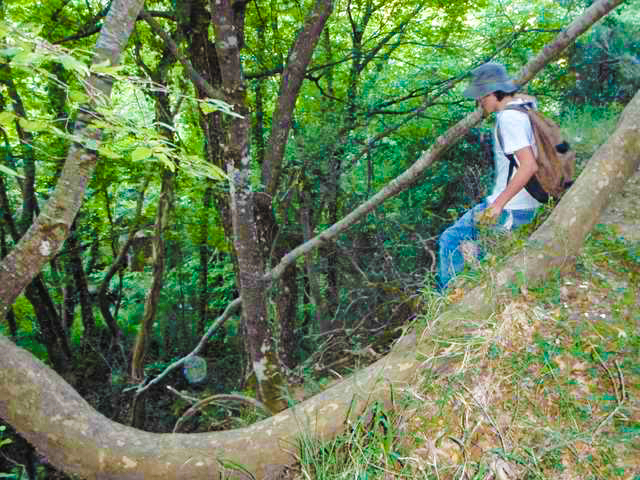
{"points": [[546, 388]]}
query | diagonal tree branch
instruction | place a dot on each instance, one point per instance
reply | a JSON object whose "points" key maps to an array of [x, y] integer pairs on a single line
{"points": [[198, 79], [596, 11], [292, 78]]}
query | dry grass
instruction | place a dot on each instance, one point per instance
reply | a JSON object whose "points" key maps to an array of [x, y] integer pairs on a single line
{"points": [[547, 387]]}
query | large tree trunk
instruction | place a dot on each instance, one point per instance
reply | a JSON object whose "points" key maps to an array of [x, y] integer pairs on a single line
{"points": [[46, 235], [75, 438], [228, 25]]}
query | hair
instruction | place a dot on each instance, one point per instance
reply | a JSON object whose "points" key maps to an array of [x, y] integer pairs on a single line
{"points": [[500, 95]]}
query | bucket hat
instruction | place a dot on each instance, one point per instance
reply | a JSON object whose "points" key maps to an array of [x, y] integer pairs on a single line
{"points": [[488, 78]]}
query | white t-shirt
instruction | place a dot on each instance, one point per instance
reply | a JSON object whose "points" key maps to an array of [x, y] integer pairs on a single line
{"points": [[517, 133]]}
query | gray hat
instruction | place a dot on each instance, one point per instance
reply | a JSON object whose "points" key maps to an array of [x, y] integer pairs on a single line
{"points": [[488, 78]]}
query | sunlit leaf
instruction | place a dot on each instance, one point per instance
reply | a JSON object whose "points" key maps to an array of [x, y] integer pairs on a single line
{"points": [[10, 52], [165, 161], [8, 171], [25, 58], [214, 105], [108, 152], [33, 125], [74, 65], [199, 168], [6, 117], [106, 68], [78, 96], [141, 153]]}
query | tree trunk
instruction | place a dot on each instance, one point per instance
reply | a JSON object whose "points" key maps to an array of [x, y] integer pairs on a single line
{"points": [[81, 285], [292, 78], [11, 317], [29, 202], [159, 258], [228, 25]]}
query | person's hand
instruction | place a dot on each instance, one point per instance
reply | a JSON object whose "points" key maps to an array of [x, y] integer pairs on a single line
{"points": [[489, 216]]}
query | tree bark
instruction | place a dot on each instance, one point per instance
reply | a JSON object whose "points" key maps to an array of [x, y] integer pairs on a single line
{"points": [[292, 78], [10, 316], [75, 438], [259, 340], [29, 202], [46, 235], [81, 284], [153, 295]]}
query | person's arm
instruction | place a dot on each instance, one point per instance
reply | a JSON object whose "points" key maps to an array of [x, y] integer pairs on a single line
{"points": [[527, 167]]}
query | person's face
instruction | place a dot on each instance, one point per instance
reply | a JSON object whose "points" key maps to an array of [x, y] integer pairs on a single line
{"points": [[488, 103]]}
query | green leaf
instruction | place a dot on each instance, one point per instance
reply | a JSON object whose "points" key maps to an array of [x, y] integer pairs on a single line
{"points": [[27, 59], [165, 161], [74, 65], [8, 171], [141, 153], [210, 105], [107, 152], [197, 167], [6, 117], [214, 172], [33, 125], [10, 52], [106, 68], [78, 96]]}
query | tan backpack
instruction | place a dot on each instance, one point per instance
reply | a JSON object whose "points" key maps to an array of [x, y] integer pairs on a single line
{"points": [[556, 161]]}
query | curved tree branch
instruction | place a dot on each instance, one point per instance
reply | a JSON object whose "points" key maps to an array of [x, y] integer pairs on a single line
{"points": [[77, 439]]}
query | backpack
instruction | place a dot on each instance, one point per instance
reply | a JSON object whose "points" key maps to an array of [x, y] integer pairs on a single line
{"points": [[556, 161]]}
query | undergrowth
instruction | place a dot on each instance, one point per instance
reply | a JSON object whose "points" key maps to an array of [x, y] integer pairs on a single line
{"points": [[547, 387]]}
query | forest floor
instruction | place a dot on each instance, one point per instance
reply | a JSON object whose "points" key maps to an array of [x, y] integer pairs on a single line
{"points": [[548, 389]]}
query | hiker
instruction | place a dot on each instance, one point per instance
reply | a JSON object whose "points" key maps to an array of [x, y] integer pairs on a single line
{"points": [[509, 205]]}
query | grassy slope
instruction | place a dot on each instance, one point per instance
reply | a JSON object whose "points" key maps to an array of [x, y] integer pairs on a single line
{"points": [[549, 386]]}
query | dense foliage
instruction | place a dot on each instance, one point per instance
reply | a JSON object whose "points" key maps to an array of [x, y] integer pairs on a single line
{"points": [[383, 82]]}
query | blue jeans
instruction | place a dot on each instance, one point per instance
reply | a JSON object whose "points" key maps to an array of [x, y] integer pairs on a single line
{"points": [[450, 259]]}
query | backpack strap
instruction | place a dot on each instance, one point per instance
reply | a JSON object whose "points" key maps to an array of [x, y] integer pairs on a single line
{"points": [[533, 186]]}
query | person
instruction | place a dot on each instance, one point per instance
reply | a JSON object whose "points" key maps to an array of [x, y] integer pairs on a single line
{"points": [[509, 205]]}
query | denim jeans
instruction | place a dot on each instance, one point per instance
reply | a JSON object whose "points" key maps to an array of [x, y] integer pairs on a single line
{"points": [[450, 259]]}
